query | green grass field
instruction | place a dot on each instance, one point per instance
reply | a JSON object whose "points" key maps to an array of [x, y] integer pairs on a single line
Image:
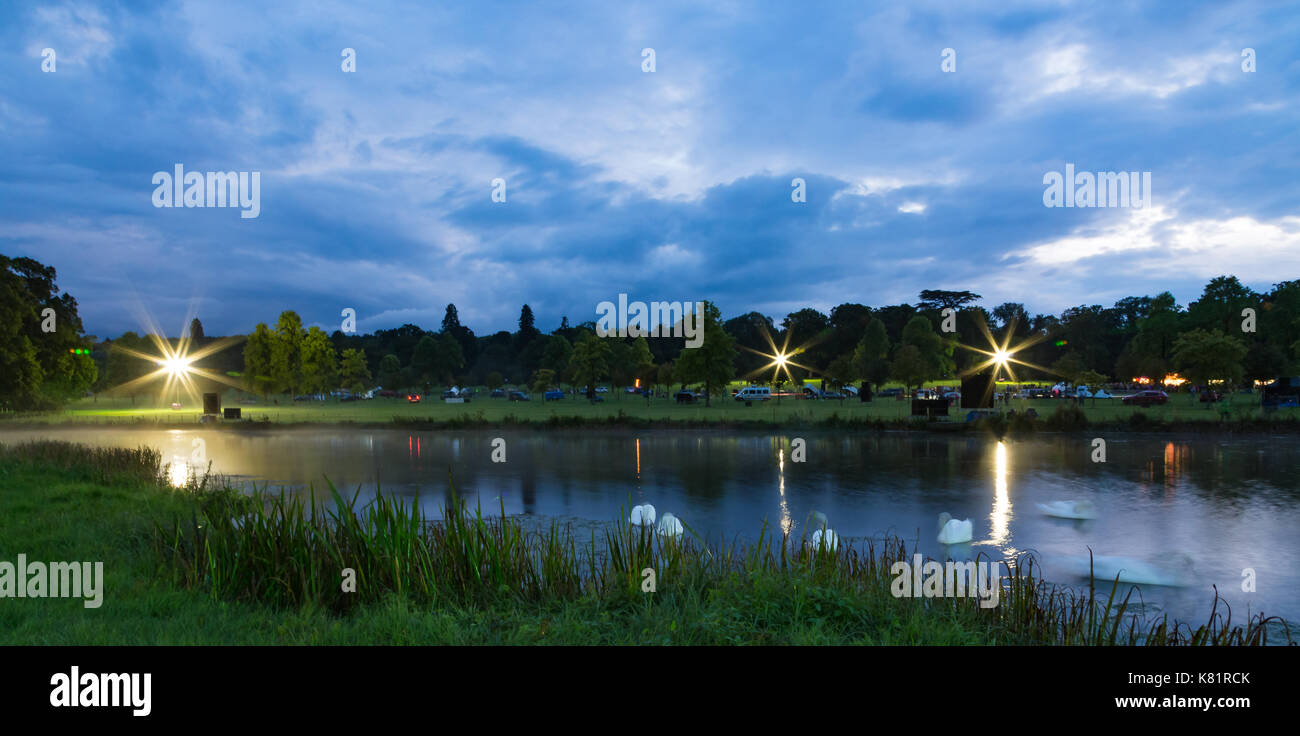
{"points": [[1181, 408]]}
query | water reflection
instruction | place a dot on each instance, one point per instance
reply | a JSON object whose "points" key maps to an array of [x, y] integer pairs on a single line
{"points": [[1000, 518], [1227, 503], [787, 524], [178, 472]]}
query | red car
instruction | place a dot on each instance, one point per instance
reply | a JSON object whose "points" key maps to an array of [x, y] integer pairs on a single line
{"points": [[1146, 398]]}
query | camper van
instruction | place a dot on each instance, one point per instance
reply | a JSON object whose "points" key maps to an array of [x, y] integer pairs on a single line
{"points": [[754, 393]]}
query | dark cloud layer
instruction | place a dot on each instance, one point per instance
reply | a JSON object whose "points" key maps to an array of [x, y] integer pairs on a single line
{"points": [[376, 186]]}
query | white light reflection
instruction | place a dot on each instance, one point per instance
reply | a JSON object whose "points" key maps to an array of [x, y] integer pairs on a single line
{"points": [[786, 523], [178, 472], [1000, 518]]}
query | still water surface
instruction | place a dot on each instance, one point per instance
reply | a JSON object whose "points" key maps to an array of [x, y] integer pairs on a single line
{"points": [[1224, 504]]}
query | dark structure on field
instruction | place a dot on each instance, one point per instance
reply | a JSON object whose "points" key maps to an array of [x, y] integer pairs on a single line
{"points": [[977, 391], [929, 408]]}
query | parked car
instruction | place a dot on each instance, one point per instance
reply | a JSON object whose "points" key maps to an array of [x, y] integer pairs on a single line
{"points": [[832, 395], [519, 396], [811, 393], [351, 397], [1146, 398], [413, 398], [925, 393], [686, 397], [554, 394], [953, 396], [890, 393], [390, 394], [498, 393]]}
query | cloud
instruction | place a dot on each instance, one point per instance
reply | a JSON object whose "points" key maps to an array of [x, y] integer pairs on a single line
{"points": [[376, 186]]}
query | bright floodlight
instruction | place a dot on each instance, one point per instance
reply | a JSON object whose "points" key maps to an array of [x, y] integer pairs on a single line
{"points": [[175, 365], [1001, 356], [780, 359]]}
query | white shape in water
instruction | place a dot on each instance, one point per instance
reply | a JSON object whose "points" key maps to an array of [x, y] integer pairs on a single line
{"points": [[828, 538], [1133, 571], [669, 526], [952, 531], [643, 515], [1069, 509]]}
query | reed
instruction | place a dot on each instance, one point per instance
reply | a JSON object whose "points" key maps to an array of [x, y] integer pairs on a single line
{"points": [[274, 548]]}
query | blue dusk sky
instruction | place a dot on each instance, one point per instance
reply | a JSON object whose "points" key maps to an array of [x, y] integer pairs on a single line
{"points": [[376, 185]]}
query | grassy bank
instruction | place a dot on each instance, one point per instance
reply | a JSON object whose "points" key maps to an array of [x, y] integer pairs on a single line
{"points": [[1181, 414], [210, 565]]}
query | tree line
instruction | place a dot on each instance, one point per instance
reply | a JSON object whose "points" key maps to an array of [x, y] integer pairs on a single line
{"points": [[1229, 333]]}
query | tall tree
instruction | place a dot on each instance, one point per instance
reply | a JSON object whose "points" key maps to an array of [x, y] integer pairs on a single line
{"points": [[932, 299], [450, 361], [40, 336], [257, 359], [286, 352], [713, 362], [1220, 305], [424, 362], [869, 357], [390, 372], [589, 362], [1202, 356], [933, 349], [353, 370], [910, 367], [319, 364]]}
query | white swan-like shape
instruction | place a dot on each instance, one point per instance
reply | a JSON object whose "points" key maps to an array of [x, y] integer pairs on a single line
{"points": [[952, 531], [1133, 571], [821, 533], [670, 526], [643, 515], [826, 537], [1069, 509]]}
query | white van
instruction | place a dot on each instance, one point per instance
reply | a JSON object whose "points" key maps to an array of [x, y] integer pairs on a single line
{"points": [[754, 393]]}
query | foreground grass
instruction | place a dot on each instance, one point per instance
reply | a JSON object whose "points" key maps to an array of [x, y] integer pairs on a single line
{"points": [[208, 566]]}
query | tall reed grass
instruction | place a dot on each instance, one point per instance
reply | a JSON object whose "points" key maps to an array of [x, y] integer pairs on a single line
{"points": [[280, 550]]}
